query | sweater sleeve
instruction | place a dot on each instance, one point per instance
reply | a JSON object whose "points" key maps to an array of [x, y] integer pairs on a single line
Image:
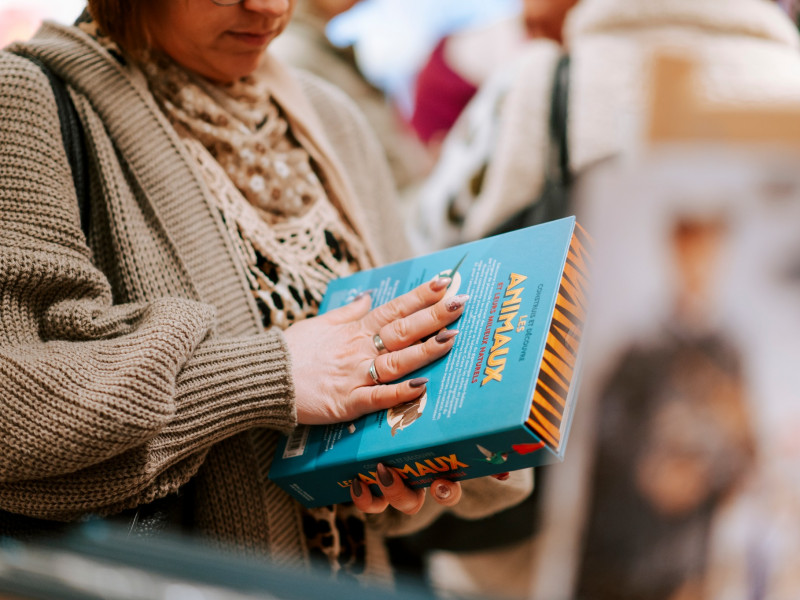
{"points": [[102, 405]]}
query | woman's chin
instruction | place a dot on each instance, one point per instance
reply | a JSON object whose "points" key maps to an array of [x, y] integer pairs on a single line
{"points": [[232, 70]]}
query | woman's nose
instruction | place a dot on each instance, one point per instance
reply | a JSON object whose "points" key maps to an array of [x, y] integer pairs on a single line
{"points": [[268, 7]]}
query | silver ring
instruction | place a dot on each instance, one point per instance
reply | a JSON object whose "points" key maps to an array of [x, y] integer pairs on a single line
{"points": [[373, 372], [376, 339]]}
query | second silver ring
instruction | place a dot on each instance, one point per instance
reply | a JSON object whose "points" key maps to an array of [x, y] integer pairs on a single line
{"points": [[376, 339], [373, 372]]}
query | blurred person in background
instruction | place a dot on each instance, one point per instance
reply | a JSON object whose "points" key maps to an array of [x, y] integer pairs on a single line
{"points": [[748, 51], [152, 355], [305, 45], [457, 180], [675, 439], [493, 164]]}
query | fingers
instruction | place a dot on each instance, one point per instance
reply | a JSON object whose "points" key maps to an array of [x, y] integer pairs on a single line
{"points": [[446, 492], [397, 494], [394, 492], [417, 299], [406, 331], [394, 365], [378, 397], [364, 500]]}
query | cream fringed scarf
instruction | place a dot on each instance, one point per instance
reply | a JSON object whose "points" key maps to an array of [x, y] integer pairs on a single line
{"points": [[291, 238]]}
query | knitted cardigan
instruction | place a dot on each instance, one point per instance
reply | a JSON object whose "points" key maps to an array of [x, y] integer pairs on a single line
{"points": [[138, 361]]}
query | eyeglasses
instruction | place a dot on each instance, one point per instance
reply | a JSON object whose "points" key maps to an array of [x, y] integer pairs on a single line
{"points": [[226, 2]]}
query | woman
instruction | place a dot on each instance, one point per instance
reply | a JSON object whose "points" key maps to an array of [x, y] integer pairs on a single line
{"points": [[175, 345]]}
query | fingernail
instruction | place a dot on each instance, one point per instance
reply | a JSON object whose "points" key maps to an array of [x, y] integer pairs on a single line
{"points": [[356, 485], [362, 294], [502, 476], [418, 382], [456, 302], [442, 491], [446, 335], [385, 475], [440, 283]]}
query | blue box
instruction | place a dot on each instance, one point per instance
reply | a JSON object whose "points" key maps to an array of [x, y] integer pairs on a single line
{"points": [[502, 399]]}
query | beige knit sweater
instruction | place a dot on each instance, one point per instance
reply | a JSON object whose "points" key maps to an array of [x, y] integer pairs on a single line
{"points": [[134, 364]]}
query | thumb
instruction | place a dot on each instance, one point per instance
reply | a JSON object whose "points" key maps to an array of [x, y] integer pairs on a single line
{"points": [[353, 311]]}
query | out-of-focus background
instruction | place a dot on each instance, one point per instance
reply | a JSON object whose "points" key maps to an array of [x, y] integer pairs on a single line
{"points": [[681, 479], [18, 20]]}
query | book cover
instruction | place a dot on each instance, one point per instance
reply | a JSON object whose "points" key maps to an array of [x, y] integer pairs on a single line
{"points": [[502, 399]]}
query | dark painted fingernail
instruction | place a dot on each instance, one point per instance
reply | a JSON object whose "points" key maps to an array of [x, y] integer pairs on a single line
{"points": [[385, 475], [418, 382], [362, 294], [356, 485], [456, 302], [502, 476], [442, 491], [446, 335], [440, 283]]}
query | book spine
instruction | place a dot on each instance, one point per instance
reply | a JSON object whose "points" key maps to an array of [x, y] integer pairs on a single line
{"points": [[556, 372]]}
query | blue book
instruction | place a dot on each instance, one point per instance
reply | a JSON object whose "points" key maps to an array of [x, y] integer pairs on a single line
{"points": [[502, 399]]}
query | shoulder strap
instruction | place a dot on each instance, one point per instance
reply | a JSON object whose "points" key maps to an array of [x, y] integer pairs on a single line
{"points": [[559, 103], [74, 142], [552, 202]]}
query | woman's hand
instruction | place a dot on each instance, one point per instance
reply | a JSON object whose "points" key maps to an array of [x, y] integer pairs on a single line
{"points": [[395, 493], [339, 372]]}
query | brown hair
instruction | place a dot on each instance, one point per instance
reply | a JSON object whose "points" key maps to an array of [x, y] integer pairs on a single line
{"points": [[124, 21]]}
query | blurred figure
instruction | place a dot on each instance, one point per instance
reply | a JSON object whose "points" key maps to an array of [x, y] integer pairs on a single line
{"points": [[457, 181], [305, 45], [748, 50], [674, 440], [680, 478]]}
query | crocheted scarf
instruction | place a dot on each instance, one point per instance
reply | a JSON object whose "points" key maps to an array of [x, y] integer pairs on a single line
{"points": [[290, 237]]}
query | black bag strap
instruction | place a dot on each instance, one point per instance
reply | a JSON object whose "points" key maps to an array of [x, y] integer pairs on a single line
{"points": [[74, 141], [553, 199], [559, 109]]}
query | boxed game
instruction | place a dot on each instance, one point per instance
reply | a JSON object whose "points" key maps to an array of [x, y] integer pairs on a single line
{"points": [[502, 399]]}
